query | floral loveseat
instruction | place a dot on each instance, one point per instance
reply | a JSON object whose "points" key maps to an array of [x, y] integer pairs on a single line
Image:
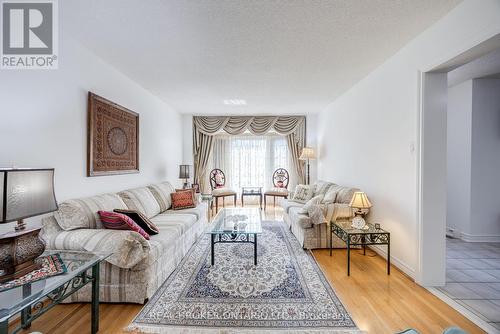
{"points": [[137, 267], [315, 233]]}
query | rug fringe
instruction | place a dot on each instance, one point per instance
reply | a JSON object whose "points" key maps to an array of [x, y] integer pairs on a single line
{"points": [[151, 329]]}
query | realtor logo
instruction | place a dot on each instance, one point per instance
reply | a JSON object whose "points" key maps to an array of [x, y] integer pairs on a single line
{"points": [[29, 34]]}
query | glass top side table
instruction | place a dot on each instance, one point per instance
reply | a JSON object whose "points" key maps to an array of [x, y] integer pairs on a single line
{"points": [[34, 299], [360, 237], [251, 191]]}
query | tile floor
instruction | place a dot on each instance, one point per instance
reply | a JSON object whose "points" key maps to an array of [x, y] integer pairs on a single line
{"points": [[473, 277]]}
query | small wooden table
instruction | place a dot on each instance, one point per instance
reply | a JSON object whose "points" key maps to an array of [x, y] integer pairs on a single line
{"points": [[251, 191], [360, 237]]}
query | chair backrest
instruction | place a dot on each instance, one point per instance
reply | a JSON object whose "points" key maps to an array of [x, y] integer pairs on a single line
{"points": [[217, 179], [281, 178]]}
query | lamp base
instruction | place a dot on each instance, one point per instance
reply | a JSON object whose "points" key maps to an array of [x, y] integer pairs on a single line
{"points": [[19, 251], [358, 222]]}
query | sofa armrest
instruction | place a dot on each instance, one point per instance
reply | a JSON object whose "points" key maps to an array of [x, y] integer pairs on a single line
{"points": [[127, 248]]}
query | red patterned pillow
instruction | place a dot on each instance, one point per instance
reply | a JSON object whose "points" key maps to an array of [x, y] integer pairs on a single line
{"points": [[182, 200], [119, 221]]}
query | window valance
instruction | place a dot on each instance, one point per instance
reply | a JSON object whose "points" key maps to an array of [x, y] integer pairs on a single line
{"points": [[257, 125], [205, 127]]}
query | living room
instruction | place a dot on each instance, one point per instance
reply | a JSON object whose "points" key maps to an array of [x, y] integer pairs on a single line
{"points": [[309, 127]]}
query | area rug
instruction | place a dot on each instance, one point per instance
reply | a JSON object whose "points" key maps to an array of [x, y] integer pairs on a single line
{"points": [[286, 292]]}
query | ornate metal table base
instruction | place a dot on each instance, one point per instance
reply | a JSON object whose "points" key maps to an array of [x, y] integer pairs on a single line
{"points": [[35, 310], [355, 237], [234, 237]]}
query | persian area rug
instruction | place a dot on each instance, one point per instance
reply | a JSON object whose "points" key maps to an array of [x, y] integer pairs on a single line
{"points": [[285, 293]]}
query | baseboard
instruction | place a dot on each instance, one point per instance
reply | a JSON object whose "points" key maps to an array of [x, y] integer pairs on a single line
{"points": [[479, 238], [464, 311], [395, 261]]}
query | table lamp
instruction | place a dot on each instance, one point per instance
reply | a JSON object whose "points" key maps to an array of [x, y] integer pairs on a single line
{"points": [[184, 174], [361, 204], [308, 154], [24, 193]]}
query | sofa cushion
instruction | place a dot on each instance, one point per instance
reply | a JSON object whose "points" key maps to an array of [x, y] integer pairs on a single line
{"points": [[330, 195], [321, 187], [161, 192], [172, 226], [301, 219], [344, 194], [82, 213], [141, 199], [286, 204]]}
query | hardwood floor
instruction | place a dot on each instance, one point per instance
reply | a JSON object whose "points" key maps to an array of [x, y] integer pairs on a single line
{"points": [[377, 302]]}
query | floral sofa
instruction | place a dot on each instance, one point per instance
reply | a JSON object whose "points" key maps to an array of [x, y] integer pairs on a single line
{"points": [[137, 267], [315, 233]]}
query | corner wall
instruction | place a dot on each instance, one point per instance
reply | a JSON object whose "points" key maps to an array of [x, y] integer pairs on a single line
{"points": [[44, 122], [369, 136]]}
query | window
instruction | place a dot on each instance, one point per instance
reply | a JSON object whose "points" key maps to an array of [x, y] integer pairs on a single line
{"points": [[250, 160]]}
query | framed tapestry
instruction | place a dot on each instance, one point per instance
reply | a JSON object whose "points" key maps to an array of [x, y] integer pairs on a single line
{"points": [[112, 138]]}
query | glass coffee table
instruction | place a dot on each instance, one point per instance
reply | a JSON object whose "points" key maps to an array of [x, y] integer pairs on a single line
{"points": [[32, 300], [235, 225]]}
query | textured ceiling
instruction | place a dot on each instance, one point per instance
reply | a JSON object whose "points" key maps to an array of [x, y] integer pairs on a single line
{"points": [[281, 56]]}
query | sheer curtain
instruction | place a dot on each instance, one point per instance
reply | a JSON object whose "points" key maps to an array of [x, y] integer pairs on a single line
{"points": [[249, 160]]}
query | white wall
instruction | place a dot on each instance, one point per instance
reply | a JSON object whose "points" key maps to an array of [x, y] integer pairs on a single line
{"points": [[473, 208], [485, 181], [44, 122], [459, 157], [369, 136]]}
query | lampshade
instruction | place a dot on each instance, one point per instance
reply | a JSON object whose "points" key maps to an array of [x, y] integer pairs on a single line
{"points": [[360, 201], [184, 172], [307, 154], [26, 193]]}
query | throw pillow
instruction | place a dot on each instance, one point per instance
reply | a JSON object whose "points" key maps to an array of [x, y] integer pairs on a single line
{"points": [[310, 203], [330, 195], [303, 193], [182, 200], [119, 221], [140, 219], [192, 190]]}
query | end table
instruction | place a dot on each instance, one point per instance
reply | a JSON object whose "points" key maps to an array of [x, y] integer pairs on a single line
{"points": [[251, 191], [32, 300], [360, 237]]}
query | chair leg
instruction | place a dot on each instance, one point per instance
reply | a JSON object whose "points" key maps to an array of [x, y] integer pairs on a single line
{"points": [[265, 202], [235, 200], [223, 201], [274, 198], [216, 205]]}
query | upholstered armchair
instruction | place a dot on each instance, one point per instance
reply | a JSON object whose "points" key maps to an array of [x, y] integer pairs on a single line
{"points": [[281, 179], [219, 189]]}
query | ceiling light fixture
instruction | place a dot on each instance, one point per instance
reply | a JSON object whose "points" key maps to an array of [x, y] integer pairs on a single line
{"points": [[235, 102]]}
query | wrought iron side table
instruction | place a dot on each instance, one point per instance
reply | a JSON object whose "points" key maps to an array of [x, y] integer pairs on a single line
{"points": [[34, 299], [360, 237]]}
